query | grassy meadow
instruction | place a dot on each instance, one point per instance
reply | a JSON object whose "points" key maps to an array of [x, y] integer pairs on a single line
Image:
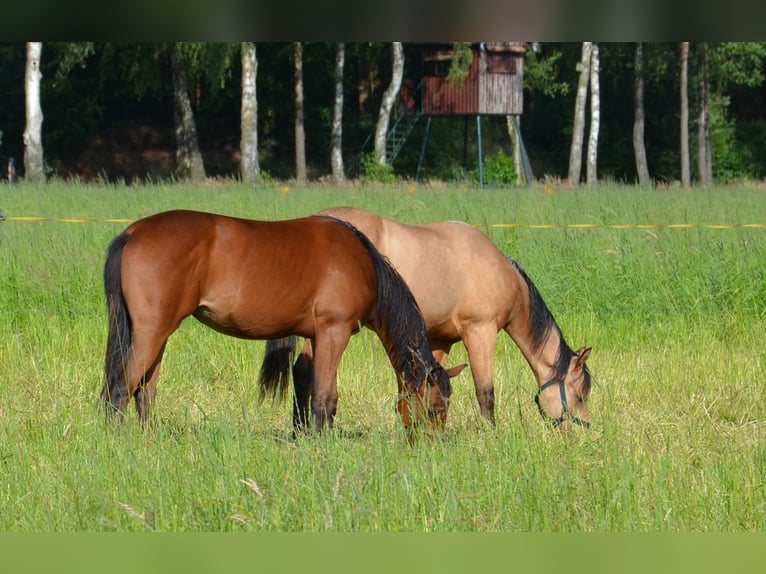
{"points": [[673, 305]]}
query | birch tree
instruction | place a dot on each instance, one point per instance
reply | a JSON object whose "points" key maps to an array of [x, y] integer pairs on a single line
{"points": [[336, 138], [387, 102], [704, 145], [300, 132], [639, 146], [685, 166], [575, 151], [595, 117], [33, 143], [189, 164], [250, 169]]}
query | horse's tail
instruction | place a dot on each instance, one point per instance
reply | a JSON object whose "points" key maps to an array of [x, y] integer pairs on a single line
{"points": [[275, 369], [119, 336], [401, 324]]}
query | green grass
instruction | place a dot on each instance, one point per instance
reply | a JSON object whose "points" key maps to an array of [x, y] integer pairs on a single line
{"points": [[676, 318]]}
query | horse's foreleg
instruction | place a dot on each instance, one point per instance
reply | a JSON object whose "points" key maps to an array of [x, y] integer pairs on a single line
{"points": [[329, 345], [480, 343], [303, 383]]}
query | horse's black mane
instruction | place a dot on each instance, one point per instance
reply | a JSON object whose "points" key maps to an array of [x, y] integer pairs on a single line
{"points": [[543, 324], [410, 350]]}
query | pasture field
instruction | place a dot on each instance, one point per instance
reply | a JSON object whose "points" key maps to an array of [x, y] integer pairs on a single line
{"points": [[673, 305]]}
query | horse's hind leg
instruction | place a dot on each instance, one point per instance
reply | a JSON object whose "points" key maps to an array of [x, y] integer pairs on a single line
{"points": [[142, 371], [480, 342], [147, 390], [303, 383], [114, 399]]}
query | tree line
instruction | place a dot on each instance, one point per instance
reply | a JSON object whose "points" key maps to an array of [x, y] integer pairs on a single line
{"points": [[631, 112]]}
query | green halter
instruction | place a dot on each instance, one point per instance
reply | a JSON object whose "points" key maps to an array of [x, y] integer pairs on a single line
{"points": [[564, 410]]}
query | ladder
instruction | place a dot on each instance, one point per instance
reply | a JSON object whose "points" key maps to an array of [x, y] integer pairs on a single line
{"points": [[397, 135], [399, 132]]}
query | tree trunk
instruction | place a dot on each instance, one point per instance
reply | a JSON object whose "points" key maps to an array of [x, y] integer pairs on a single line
{"points": [[575, 152], [249, 167], [33, 142], [189, 164], [300, 133], [639, 146], [515, 149], [336, 143], [595, 117], [387, 103], [704, 144], [685, 168]]}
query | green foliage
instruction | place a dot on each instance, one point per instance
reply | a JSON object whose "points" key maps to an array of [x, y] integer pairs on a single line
{"points": [[208, 61], [731, 160], [659, 61], [541, 73], [267, 178], [136, 69], [499, 169], [736, 63], [754, 133], [461, 63], [70, 55], [375, 172]]}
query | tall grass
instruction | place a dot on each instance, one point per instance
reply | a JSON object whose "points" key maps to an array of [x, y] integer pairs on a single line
{"points": [[675, 316]]}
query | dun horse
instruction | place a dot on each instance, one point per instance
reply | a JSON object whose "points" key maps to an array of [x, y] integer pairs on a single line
{"points": [[315, 277], [468, 290]]}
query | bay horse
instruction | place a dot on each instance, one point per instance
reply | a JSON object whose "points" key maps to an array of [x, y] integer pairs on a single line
{"points": [[315, 277], [469, 290]]}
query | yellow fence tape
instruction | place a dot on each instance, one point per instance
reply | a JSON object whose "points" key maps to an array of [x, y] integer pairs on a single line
{"points": [[584, 226]]}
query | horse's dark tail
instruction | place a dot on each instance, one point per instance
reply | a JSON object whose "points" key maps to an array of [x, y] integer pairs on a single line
{"points": [[402, 325], [275, 369], [119, 336]]}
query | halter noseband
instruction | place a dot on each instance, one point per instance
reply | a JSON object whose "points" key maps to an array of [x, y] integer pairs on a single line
{"points": [[564, 410]]}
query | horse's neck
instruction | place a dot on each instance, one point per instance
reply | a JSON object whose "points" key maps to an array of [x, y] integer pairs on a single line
{"points": [[542, 360], [543, 355]]}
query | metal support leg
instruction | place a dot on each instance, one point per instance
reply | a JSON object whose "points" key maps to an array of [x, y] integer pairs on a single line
{"points": [[481, 163], [465, 146]]}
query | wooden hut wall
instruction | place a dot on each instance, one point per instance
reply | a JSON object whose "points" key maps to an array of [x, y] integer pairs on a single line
{"points": [[441, 96], [500, 83]]}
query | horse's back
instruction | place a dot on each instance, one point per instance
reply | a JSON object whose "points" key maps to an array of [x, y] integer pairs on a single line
{"points": [[456, 273], [283, 249], [246, 277]]}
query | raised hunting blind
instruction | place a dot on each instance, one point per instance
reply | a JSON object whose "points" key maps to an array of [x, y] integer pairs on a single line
{"points": [[493, 84], [490, 82]]}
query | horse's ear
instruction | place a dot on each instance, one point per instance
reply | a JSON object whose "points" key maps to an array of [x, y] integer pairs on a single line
{"points": [[581, 356], [455, 371]]}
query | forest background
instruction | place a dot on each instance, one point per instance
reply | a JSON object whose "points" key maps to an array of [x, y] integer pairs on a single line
{"points": [[109, 110]]}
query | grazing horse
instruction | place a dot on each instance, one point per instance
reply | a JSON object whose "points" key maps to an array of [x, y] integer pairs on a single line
{"points": [[468, 290], [315, 277]]}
